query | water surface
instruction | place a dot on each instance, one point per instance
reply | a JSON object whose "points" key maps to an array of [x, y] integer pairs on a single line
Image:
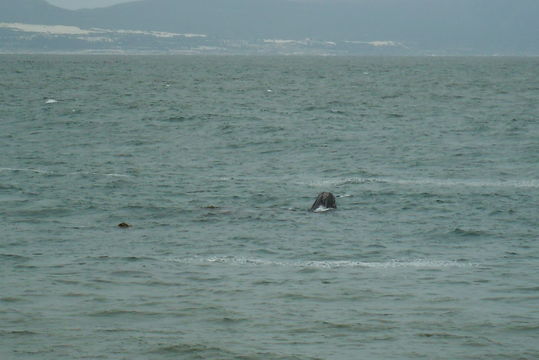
{"points": [[214, 161]]}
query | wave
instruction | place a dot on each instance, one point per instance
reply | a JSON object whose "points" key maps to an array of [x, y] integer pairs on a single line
{"points": [[17, 332], [325, 182], [468, 232], [529, 183], [198, 351], [24, 170], [124, 312], [52, 173], [89, 173], [323, 264], [14, 257], [116, 175]]}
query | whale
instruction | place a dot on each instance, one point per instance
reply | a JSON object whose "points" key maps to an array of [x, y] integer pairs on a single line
{"points": [[325, 201]]}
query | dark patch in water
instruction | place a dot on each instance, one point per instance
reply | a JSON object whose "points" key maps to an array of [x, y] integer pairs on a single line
{"points": [[468, 232], [194, 351], [13, 257], [10, 299], [17, 332]]}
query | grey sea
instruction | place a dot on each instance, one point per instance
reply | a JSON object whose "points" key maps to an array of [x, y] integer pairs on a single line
{"points": [[432, 253]]}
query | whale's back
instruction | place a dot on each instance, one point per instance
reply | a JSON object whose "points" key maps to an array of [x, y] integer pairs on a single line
{"points": [[324, 201]]}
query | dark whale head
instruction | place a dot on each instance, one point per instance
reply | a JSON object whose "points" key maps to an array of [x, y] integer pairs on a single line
{"points": [[324, 201]]}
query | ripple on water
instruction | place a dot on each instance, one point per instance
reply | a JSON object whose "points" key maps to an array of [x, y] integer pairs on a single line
{"points": [[431, 254]]}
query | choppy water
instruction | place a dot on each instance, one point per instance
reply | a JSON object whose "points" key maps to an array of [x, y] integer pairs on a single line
{"points": [[432, 253]]}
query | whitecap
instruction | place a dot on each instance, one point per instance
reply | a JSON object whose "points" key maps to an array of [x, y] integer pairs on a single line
{"points": [[325, 264], [479, 183], [338, 181], [515, 183], [321, 208], [89, 173], [117, 175], [25, 170], [51, 101]]}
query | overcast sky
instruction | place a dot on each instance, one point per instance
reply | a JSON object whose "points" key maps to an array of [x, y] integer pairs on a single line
{"points": [[88, 4], [79, 4]]}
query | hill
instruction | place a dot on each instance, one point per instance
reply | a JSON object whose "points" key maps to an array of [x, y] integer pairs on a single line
{"points": [[413, 26], [33, 12]]}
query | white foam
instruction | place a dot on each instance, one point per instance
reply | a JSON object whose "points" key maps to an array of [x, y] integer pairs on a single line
{"points": [[116, 175], [324, 264], [511, 183], [25, 170], [321, 208], [37, 171], [470, 183]]}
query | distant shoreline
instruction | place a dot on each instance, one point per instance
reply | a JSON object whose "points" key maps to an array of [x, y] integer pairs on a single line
{"points": [[242, 54]]}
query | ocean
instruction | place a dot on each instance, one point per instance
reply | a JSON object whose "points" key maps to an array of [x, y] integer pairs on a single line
{"points": [[214, 161]]}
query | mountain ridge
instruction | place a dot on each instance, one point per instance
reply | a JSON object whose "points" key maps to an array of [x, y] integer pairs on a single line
{"points": [[32, 11], [461, 26]]}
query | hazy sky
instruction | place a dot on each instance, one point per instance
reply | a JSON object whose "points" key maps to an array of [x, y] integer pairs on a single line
{"points": [[78, 4]]}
